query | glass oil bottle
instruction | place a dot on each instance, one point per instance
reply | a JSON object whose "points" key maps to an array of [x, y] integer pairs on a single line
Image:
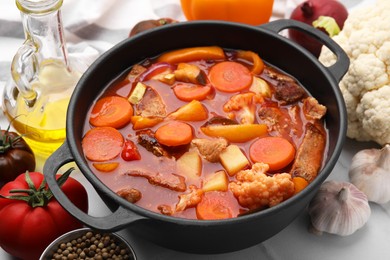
{"points": [[36, 99]]}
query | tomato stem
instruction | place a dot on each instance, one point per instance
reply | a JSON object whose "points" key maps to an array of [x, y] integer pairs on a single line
{"points": [[37, 197], [6, 141]]}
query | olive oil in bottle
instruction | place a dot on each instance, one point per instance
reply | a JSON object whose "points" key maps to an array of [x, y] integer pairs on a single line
{"points": [[42, 122], [35, 101]]}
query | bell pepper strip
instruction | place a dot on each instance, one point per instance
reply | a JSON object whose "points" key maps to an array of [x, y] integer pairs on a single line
{"points": [[192, 53], [130, 151], [258, 64], [106, 166], [140, 122], [235, 133]]}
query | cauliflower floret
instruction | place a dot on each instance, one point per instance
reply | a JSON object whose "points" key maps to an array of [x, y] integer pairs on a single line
{"points": [[366, 73], [242, 107], [366, 40], [255, 190], [190, 199], [375, 116]]}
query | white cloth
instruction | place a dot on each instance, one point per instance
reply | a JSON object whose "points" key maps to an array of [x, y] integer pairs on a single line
{"points": [[99, 24], [92, 25]]}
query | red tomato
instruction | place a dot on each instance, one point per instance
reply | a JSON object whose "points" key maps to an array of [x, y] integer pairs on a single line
{"points": [[27, 228]]}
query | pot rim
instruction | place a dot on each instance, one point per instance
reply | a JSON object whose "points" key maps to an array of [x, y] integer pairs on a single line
{"points": [[99, 185]]}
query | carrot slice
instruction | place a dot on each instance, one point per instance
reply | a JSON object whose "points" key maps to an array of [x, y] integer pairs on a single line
{"points": [[277, 152], [174, 133], [214, 205], [187, 92], [102, 143], [192, 53], [114, 111], [230, 76], [258, 64], [299, 184]]}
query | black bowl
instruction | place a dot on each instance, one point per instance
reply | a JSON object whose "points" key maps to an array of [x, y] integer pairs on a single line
{"points": [[194, 235]]}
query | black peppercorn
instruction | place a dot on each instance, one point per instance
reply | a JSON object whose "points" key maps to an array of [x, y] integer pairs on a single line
{"points": [[92, 245]]}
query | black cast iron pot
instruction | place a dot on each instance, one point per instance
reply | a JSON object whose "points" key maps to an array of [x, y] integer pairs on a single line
{"points": [[194, 235]]}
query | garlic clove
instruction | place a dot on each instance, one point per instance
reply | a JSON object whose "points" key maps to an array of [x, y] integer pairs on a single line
{"points": [[370, 173], [338, 208]]}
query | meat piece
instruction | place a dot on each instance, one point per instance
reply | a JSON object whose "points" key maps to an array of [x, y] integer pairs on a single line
{"points": [[220, 120], [296, 124], [135, 71], [171, 181], [165, 210], [190, 73], [130, 194], [277, 121], [149, 142], [287, 88], [310, 153], [288, 92], [210, 148], [254, 189], [190, 199], [312, 109], [276, 75], [151, 105]]}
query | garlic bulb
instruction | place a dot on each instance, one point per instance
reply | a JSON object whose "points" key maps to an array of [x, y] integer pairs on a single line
{"points": [[370, 173], [338, 208]]}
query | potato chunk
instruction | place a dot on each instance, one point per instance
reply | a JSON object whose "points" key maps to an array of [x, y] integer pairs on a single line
{"points": [[216, 182], [233, 159], [261, 87], [189, 165], [190, 73]]}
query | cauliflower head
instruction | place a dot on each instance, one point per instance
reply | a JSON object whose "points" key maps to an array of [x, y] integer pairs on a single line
{"points": [[256, 190], [365, 87]]}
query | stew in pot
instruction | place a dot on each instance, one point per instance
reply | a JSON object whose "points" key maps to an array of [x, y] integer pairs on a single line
{"points": [[205, 133]]}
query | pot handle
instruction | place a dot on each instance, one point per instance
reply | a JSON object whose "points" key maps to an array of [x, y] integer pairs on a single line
{"points": [[340, 67], [120, 218]]}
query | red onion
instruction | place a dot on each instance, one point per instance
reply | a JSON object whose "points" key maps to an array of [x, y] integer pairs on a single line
{"points": [[155, 69], [310, 11]]}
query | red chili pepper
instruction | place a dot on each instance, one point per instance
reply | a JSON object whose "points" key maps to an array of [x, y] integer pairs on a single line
{"points": [[130, 151]]}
